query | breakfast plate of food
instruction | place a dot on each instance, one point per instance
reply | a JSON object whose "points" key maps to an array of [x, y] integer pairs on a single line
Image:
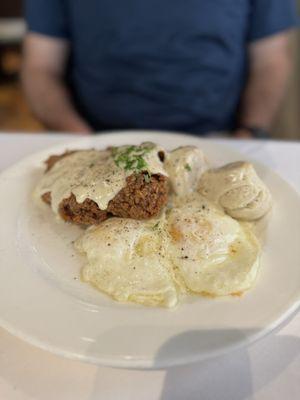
{"points": [[146, 249]]}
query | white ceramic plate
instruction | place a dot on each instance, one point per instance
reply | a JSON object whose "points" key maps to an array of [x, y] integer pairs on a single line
{"points": [[43, 302]]}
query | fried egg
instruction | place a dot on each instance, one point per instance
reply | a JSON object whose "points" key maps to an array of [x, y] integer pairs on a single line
{"points": [[193, 247], [127, 261], [211, 252]]}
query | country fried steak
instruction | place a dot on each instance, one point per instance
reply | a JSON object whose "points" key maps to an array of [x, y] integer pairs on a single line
{"points": [[143, 197], [52, 160]]}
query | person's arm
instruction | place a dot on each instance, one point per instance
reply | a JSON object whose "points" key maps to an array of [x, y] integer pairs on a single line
{"points": [[269, 69], [44, 62]]}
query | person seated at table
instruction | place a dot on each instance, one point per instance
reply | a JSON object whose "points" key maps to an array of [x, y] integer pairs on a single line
{"points": [[196, 66]]}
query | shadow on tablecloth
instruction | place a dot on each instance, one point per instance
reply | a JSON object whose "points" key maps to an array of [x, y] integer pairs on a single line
{"points": [[230, 377]]}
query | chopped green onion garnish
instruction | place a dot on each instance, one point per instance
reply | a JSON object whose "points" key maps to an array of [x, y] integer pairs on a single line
{"points": [[131, 158], [147, 178]]}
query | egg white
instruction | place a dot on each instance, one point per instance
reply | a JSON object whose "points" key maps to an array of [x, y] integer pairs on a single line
{"points": [[126, 260], [193, 247], [213, 253]]}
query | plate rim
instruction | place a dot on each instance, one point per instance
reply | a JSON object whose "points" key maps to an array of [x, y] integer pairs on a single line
{"points": [[145, 363]]}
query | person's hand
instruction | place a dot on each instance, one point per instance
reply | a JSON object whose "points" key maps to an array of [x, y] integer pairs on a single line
{"points": [[242, 134]]}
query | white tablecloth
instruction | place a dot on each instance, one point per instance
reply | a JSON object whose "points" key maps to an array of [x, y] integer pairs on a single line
{"points": [[268, 370]]}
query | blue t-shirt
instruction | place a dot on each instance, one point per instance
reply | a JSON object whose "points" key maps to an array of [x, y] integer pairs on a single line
{"points": [[159, 64]]}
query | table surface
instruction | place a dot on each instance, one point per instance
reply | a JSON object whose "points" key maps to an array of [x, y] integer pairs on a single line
{"points": [[269, 369]]}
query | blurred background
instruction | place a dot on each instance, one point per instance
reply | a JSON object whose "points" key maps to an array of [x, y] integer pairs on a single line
{"points": [[16, 116]]}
